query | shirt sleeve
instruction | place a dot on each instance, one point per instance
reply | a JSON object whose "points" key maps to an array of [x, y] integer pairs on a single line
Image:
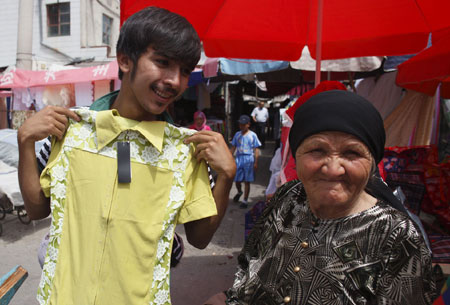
{"points": [[407, 277], [256, 143], [199, 201], [234, 141]]}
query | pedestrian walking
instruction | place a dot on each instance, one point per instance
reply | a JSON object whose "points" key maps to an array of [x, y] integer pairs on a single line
{"points": [[245, 144], [260, 116]]}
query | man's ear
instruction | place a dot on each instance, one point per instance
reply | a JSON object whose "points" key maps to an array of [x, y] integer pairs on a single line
{"points": [[124, 62]]}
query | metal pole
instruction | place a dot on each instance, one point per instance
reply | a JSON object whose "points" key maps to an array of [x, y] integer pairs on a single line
{"points": [[319, 41], [227, 111]]}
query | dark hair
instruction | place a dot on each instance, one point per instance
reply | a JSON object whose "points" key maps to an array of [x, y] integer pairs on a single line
{"points": [[167, 33]]}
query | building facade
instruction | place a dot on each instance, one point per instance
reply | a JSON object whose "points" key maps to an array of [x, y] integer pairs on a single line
{"points": [[39, 33]]}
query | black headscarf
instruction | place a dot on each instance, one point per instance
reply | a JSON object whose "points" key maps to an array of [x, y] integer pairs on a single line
{"points": [[339, 110]]}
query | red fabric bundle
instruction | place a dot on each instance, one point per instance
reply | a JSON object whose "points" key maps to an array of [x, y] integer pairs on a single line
{"points": [[323, 86]]}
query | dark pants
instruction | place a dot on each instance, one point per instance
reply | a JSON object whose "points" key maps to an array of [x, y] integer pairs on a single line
{"points": [[261, 132]]}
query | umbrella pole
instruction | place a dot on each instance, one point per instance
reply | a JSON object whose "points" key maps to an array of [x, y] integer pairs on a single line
{"points": [[319, 41], [228, 121]]}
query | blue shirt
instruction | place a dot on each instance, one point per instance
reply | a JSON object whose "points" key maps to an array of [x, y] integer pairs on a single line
{"points": [[245, 143]]}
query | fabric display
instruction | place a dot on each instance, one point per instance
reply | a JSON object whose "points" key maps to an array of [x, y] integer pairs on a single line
{"points": [[411, 123], [59, 95], [437, 182], [24, 98], [217, 125], [84, 95], [381, 91], [411, 184], [440, 246], [19, 116], [425, 182]]}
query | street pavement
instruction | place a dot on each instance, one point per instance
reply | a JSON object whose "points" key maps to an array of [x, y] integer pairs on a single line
{"points": [[200, 274]]}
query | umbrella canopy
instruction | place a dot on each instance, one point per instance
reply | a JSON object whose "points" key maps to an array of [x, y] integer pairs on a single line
{"points": [[278, 30], [226, 66], [425, 71]]}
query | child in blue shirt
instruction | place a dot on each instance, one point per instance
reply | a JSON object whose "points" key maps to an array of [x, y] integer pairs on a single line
{"points": [[245, 144]]}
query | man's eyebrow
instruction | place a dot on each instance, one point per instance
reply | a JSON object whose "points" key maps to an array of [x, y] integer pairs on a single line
{"points": [[159, 53]]}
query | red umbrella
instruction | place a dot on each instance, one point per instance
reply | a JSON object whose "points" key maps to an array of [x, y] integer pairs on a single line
{"points": [[279, 29], [425, 71]]}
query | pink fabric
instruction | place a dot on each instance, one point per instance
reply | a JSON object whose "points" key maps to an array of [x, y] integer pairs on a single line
{"points": [[210, 67], [323, 86]]}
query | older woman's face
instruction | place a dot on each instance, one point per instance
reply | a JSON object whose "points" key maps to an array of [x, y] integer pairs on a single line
{"points": [[334, 168]]}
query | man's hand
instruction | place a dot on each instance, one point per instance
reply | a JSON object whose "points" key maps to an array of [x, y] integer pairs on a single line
{"points": [[212, 148], [52, 120]]}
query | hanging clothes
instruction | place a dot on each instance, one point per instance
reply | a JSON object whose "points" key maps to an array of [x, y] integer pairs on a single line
{"points": [[381, 91], [411, 122]]}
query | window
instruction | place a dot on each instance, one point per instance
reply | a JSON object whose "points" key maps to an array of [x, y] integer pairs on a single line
{"points": [[106, 34], [58, 19]]}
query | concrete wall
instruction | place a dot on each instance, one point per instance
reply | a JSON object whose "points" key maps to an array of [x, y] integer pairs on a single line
{"points": [[92, 23], [85, 34], [9, 17]]}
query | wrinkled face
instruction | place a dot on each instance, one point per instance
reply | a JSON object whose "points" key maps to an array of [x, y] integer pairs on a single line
{"points": [[334, 168], [156, 81]]}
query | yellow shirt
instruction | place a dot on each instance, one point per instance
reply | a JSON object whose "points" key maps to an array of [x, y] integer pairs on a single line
{"points": [[110, 243]]}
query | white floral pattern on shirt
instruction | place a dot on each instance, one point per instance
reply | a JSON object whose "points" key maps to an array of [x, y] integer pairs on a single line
{"points": [[174, 156]]}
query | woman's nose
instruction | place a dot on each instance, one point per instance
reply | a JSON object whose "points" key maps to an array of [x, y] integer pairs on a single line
{"points": [[333, 166]]}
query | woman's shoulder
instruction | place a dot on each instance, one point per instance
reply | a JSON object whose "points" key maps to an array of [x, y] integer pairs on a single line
{"points": [[289, 187], [397, 222], [293, 188]]}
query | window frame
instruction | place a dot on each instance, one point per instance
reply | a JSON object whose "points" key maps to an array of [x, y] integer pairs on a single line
{"points": [[107, 34], [62, 9]]}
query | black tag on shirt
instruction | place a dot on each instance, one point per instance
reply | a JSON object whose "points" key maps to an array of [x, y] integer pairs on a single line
{"points": [[123, 162]]}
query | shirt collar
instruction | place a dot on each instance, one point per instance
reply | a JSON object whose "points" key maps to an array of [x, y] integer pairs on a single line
{"points": [[110, 124]]}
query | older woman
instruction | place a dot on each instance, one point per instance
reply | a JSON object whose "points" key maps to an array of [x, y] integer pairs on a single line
{"points": [[325, 239]]}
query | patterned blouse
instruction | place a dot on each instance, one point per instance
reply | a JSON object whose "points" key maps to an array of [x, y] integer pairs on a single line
{"points": [[291, 257]]}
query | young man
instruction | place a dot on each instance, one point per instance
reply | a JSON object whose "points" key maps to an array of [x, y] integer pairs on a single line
{"points": [[260, 116], [112, 230], [245, 144]]}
